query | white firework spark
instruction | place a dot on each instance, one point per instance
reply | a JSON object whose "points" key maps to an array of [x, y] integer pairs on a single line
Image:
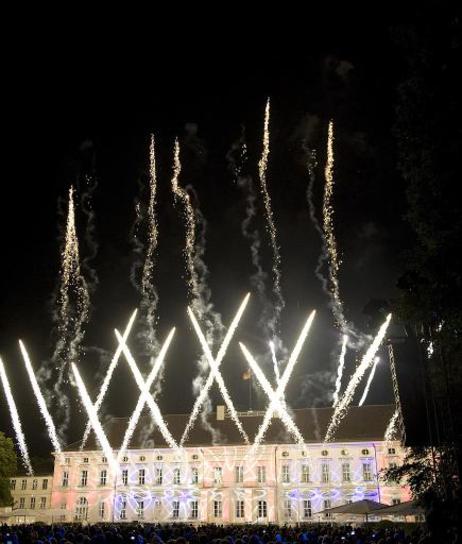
{"points": [[390, 431], [340, 368], [275, 361], [40, 399], [108, 376], [369, 381], [342, 406], [201, 398], [145, 393], [20, 438]]}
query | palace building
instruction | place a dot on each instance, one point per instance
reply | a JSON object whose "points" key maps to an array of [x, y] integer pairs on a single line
{"points": [[224, 481]]}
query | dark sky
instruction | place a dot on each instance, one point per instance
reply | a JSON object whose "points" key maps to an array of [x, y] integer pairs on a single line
{"points": [[72, 103]]}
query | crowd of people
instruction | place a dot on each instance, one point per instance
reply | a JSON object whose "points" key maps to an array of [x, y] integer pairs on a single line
{"points": [[205, 534]]}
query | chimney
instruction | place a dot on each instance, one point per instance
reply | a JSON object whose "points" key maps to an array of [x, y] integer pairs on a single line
{"points": [[220, 412]]}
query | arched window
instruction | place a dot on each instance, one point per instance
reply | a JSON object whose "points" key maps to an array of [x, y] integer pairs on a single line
{"points": [[81, 509]]}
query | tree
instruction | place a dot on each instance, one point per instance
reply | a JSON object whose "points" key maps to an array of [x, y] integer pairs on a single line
{"points": [[8, 467]]}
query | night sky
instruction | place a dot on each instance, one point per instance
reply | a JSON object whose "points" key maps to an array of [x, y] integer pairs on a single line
{"points": [[77, 108]]}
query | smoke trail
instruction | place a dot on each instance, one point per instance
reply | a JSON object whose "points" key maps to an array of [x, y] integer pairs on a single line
{"points": [[197, 274], [86, 202], [369, 381], [262, 171], [71, 314], [344, 403], [20, 438]]}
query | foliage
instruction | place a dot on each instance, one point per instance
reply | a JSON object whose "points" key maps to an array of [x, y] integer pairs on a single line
{"points": [[8, 467]]}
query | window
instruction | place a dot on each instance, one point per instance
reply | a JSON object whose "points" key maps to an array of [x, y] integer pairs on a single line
{"points": [[32, 503], [287, 508], [85, 460], [324, 473], [123, 509], [158, 476], [34, 483], [391, 451], [63, 506], [124, 476], [103, 477], [140, 509], [262, 509], [261, 475], [217, 475], [367, 472], [324, 453], [327, 504], [194, 475], [142, 458], [65, 479], [194, 509], [176, 476], [392, 465], [67, 460], [159, 457], [217, 509], [104, 459], [83, 478], [305, 475], [45, 483], [43, 503], [344, 452], [141, 476], [101, 510], [285, 474], [239, 509], [307, 509], [13, 484], [22, 502], [125, 459], [176, 509], [346, 475], [23, 485], [81, 510], [365, 452], [395, 501], [285, 454], [239, 474]]}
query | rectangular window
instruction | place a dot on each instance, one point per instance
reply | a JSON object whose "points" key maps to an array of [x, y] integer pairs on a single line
{"points": [[23, 485], [261, 474], [395, 501], [217, 475], [85, 460], [391, 451], [305, 475], [194, 505], [67, 460], [13, 484], [141, 476], [194, 475], [262, 509], [34, 483], [239, 474], [140, 510], [43, 502], [307, 509], [104, 459], [103, 477], [217, 509], [239, 509], [124, 476], [327, 504], [45, 483], [324, 473], [346, 475], [123, 509], [101, 510], [285, 474], [65, 479], [392, 465], [176, 476], [83, 478], [32, 503], [175, 509], [22, 502], [287, 508], [158, 476], [367, 472]]}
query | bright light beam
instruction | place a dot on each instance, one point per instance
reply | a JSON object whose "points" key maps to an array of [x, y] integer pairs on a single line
{"points": [[390, 431], [341, 366], [343, 404], [20, 438], [271, 393], [95, 423], [40, 400], [275, 400], [214, 366], [155, 411], [144, 394], [275, 361], [369, 381], [108, 376]]}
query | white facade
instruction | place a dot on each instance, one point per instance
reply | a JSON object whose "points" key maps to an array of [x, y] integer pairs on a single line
{"points": [[31, 498]]}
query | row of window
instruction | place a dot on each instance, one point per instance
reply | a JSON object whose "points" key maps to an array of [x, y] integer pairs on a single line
{"points": [[24, 484], [42, 504], [325, 473]]}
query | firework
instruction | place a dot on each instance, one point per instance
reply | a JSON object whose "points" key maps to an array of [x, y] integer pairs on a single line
{"points": [[340, 367], [369, 382]]}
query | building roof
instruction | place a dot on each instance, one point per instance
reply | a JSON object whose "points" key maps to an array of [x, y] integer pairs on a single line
{"points": [[365, 423]]}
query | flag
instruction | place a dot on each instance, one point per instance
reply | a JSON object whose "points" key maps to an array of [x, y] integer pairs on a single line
{"points": [[246, 375]]}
